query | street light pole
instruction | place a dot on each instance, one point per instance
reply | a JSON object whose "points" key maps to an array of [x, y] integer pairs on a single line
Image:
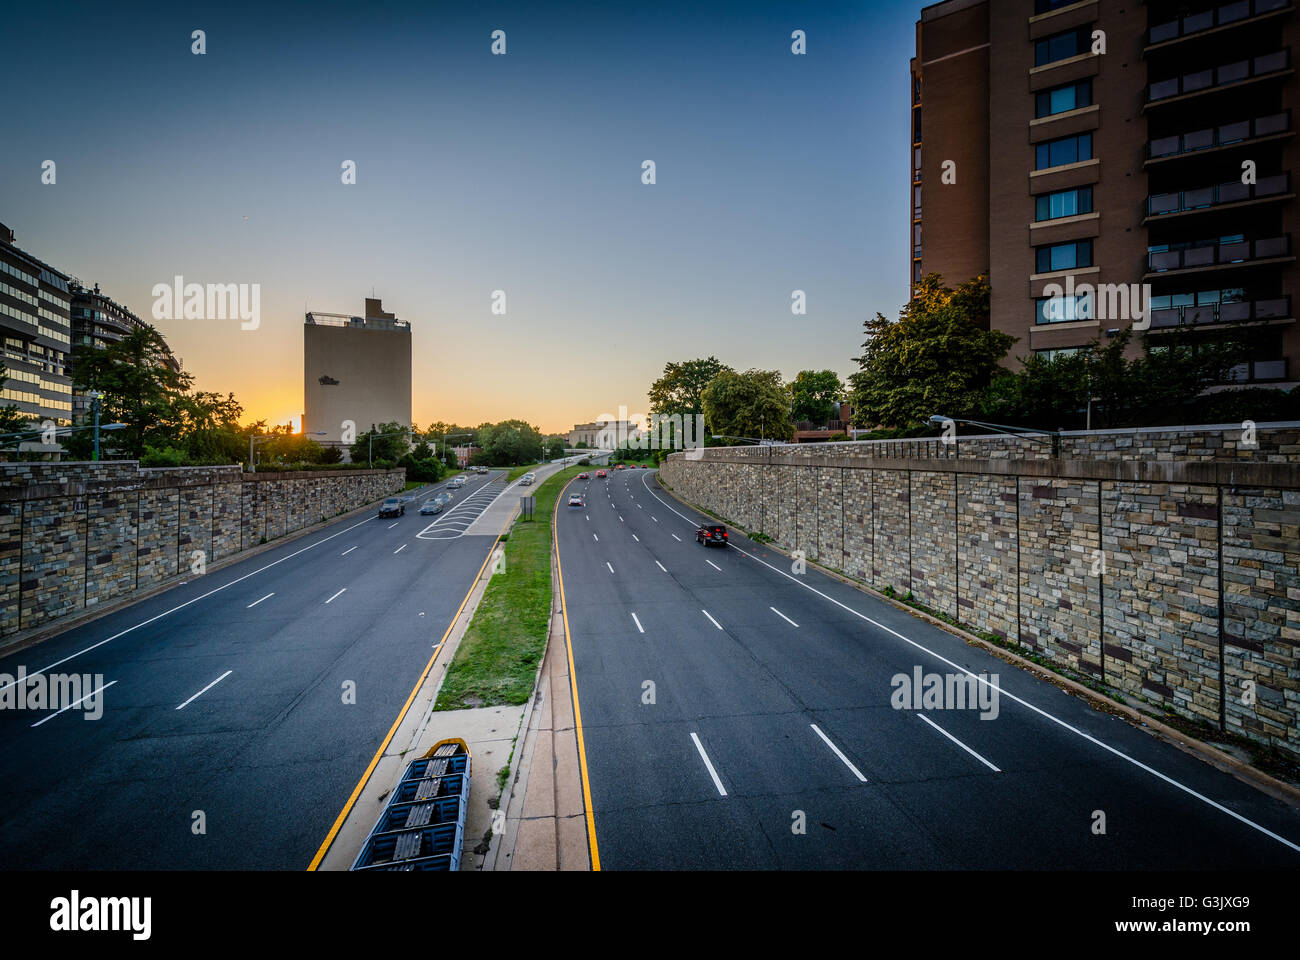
{"points": [[95, 398]]}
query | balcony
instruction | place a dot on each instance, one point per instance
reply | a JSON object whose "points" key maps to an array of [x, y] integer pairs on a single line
{"points": [[1245, 311], [1206, 20], [1218, 255], [1210, 78], [1213, 137], [1205, 198]]}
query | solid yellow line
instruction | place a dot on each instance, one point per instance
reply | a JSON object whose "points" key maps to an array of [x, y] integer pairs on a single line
{"points": [[573, 684], [374, 761]]}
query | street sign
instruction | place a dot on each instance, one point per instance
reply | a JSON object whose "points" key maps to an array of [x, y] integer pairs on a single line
{"points": [[526, 507]]}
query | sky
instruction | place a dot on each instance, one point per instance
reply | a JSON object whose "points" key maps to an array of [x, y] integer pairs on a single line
{"points": [[475, 173]]}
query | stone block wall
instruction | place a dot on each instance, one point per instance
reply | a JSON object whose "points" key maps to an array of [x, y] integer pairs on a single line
{"points": [[1163, 563], [74, 536]]}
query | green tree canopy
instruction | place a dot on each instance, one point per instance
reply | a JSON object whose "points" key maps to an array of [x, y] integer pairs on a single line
{"points": [[140, 389], [751, 404], [509, 443], [681, 388], [937, 358], [814, 394]]}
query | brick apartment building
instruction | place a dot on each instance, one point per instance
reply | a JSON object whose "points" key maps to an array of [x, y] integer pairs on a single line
{"points": [[1127, 166]]}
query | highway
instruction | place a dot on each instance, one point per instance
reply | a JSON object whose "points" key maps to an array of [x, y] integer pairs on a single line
{"points": [[768, 739], [225, 701]]}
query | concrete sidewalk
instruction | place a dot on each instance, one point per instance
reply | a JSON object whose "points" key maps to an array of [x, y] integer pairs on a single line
{"points": [[545, 817], [494, 519]]}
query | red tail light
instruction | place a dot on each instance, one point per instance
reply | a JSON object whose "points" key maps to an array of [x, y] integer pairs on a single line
{"points": [[724, 534]]}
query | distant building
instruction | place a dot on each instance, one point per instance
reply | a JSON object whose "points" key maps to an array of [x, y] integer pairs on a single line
{"points": [[36, 326], [356, 370], [602, 433], [98, 321], [839, 424], [464, 454]]}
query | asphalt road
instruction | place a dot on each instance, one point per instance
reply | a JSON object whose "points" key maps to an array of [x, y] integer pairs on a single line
{"points": [[226, 695], [772, 712]]}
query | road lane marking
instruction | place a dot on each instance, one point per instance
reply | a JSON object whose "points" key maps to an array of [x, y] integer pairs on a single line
{"points": [[393, 524], [596, 538], [592, 847], [638, 623], [959, 743], [401, 715], [656, 520], [181, 606], [400, 549], [677, 538], [705, 757], [661, 566], [588, 517], [337, 595], [636, 538], [205, 690], [610, 565], [856, 772], [711, 620], [620, 519], [783, 616], [713, 565], [1114, 751], [71, 705], [256, 602], [350, 549]]}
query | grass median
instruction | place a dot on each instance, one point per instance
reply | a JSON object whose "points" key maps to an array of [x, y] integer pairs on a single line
{"points": [[497, 658]]}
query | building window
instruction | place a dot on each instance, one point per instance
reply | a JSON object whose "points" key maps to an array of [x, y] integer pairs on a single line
{"points": [[1064, 256], [1062, 309], [1052, 354], [1072, 96], [1059, 46], [916, 124], [1055, 153], [1063, 203]]}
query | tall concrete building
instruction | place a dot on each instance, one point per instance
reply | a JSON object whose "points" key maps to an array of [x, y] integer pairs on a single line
{"points": [[1109, 142], [36, 327], [355, 370]]}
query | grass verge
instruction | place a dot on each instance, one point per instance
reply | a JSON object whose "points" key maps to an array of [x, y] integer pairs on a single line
{"points": [[497, 659]]}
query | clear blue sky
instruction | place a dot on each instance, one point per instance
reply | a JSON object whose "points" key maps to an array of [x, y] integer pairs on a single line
{"points": [[475, 173]]}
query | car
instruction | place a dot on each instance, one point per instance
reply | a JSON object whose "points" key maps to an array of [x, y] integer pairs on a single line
{"points": [[602, 474], [457, 481], [619, 467], [584, 476], [392, 507], [575, 500], [711, 533], [430, 507], [527, 479]]}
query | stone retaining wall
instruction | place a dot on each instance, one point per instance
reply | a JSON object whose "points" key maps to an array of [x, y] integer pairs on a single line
{"points": [[77, 535], [1165, 564]]}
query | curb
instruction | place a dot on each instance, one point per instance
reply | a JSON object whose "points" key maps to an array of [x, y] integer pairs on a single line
{"points": [[1266, 783]]}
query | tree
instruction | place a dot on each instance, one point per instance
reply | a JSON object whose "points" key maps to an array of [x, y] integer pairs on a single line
{"points": [[750, 404], [937, 357], [140, 388], [814, 394], [509, 443], [390, 448], [681, 388], [554, 448]]}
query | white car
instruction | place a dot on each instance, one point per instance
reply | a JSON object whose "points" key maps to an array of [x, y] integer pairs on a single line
{"points": [[527, 479]]}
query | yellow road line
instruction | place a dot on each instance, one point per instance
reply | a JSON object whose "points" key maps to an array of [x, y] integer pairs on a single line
{"points": [[374, 761], [573, 684]]}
